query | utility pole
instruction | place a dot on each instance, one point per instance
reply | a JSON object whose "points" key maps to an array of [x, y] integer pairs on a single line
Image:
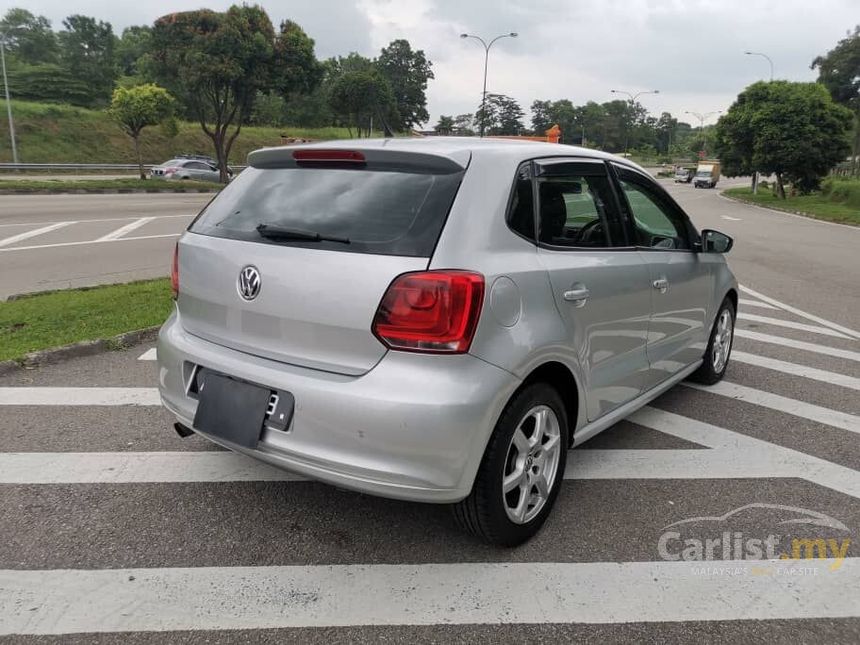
{"points": [[702, 118], [633, 98], [8, 101], [486, 46]]}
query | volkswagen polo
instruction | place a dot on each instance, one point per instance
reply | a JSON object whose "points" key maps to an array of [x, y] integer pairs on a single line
{"points": [[438, 320]]}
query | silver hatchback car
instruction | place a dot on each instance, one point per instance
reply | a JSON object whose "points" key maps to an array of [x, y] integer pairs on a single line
{"points": [[438, 320]]}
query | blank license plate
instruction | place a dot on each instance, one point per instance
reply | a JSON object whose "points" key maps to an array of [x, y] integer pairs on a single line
{"points": [[231, 410]]}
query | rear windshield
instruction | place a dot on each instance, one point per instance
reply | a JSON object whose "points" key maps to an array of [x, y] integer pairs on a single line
{"points": [[380, 212]]}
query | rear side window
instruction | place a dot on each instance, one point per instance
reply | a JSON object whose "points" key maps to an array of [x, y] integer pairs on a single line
{"points": [[521, 213], [379, 212]]}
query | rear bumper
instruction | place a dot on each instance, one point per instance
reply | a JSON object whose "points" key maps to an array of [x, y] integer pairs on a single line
{"points": [[413, 428]]}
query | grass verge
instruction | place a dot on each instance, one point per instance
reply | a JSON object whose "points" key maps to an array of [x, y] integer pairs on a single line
{"points": [[101, 185], [47, 320], [817, 205]]}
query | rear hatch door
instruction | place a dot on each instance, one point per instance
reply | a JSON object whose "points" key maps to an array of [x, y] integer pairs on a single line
{"points": [[304, 288]]}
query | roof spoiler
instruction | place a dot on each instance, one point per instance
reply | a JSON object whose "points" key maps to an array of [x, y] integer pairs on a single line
{"points": [[373, 158]]}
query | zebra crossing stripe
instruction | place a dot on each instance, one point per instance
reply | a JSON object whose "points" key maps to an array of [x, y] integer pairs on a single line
{"points": [[779, 403], [790, 324], [795, 369], [797, 344], [797, 312], [27, 468], [221, 598]]}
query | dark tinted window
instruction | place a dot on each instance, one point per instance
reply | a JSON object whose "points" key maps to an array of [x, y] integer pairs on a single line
{"points": [[382, 212], [657, 221], [521, 214], [574, 210]]}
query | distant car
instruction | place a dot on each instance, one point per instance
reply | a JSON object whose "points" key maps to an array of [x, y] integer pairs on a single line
{"points": [[200, 169], [684, 175]]}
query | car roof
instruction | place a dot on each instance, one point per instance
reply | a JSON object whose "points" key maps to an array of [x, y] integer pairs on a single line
{"points": [[460, 149]]}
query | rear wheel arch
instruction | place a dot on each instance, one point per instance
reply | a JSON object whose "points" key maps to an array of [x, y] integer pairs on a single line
{"points": [[559, 377]]}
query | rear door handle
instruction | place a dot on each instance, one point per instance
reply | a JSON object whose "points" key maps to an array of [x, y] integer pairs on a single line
{"points": [[662, 284], [577, 296]]}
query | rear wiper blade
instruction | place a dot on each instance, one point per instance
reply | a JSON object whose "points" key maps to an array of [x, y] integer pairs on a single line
{"points": [[275, 232]]}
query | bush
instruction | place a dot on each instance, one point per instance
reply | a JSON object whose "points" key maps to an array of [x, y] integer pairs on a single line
{"points": [[845, 190]]}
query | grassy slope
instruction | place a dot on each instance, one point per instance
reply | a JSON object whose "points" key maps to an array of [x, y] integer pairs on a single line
{"points": [[49, 133], [62, 317], [816, 205]]}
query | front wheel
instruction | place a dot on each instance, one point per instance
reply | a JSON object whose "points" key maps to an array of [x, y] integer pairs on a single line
{"points": [[719, 349], [521, 471]]}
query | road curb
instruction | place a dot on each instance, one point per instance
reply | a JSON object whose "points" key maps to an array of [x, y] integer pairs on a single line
{"points": [[781, 211], [83, 348], [99, 191]]}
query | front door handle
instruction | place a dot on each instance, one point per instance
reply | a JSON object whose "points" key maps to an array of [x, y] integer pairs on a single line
{"points": [[577, 296], [662, 284]]}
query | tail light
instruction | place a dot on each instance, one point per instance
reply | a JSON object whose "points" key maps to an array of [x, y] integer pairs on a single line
{"points": [[328, 155], [174, 272], [430, 311]]}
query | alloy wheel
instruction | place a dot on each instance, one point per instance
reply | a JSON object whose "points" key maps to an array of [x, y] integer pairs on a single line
{"points": [[531, 465]]}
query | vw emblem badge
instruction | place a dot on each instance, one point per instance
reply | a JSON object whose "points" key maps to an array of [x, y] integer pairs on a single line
{"points": [[249, 282]]}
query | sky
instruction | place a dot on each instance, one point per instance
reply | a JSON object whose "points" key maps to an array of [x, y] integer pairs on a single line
{"points": [[692, 51]]}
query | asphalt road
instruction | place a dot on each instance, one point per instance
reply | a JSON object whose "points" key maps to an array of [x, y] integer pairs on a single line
{"points": [[116, 530], [60, 241]]}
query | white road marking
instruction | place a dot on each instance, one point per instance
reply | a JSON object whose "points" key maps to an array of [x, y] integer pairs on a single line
{"points": [[795, 369], [790, 324], [24, 468], [104, 219], [798, 344], [802, 314], [71, 601], [61, 244], [108, 396], [123, 230], [731, 219], [26, 235], [792, 462], [755, 303], [148, 355], [794, 407]]}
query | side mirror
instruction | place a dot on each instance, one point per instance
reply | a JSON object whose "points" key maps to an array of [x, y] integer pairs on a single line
{"points": [[715, 242]]}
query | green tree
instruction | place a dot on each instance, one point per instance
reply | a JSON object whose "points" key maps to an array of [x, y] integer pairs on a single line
{"points": [[47, 82], [131, 47], [407, 72], [463, 125], [357, 97], [794, 131], [135, 108], [216, 63], [29, 38], [839, 72], [445, 125], [87, 50], [501, 115]]}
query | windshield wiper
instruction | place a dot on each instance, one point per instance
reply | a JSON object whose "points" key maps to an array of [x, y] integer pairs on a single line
{"points": [[275, 232]]}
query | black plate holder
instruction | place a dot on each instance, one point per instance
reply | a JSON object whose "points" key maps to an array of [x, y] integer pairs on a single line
{"points": [[229, 409]]}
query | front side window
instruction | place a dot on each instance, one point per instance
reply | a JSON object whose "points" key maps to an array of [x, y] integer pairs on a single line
{"points": [[658, 223], [574, 210]]}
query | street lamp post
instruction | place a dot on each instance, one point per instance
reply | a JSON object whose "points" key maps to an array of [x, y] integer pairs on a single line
{"points": [[8, 102], [487, 46], [702, 118], [763, 56], [633, 98]]}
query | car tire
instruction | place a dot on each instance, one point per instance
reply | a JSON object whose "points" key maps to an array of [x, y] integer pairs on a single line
{"points": [[714, 362], [536, 416]]}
